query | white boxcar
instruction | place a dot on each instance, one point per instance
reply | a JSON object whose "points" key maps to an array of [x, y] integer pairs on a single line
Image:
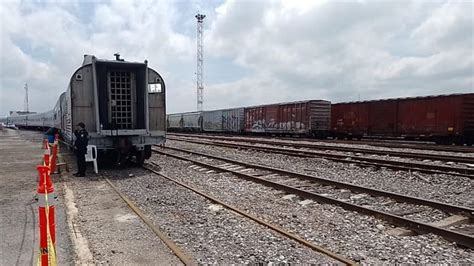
{"points": [[227, 120], [212, 121], [233, 120]]}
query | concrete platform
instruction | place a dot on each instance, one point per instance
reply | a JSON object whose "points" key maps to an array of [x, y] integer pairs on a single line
{"points": [[93, 225], [20, 153], [106, 230]]}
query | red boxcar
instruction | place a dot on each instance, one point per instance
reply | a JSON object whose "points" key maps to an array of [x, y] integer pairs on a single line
{"points": [[443, 118], [305, 117]]}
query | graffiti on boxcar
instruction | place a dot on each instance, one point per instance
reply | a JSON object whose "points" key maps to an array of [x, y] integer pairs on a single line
{"points": [[230, 121], [292, 125], [262, 126]]}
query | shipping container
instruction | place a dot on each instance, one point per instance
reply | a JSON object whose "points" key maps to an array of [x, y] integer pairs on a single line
{"points": [[227, 120], [298, 118], [442, 118]]}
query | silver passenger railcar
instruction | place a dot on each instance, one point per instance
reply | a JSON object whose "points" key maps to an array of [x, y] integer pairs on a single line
{"points": [[121, 103]]}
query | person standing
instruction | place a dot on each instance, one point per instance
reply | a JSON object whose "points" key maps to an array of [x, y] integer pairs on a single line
{"points": [[51, 134], [80, 146]]}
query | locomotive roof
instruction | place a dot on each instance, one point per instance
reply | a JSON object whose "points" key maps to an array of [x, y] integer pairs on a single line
{"points": [[89, 58]]}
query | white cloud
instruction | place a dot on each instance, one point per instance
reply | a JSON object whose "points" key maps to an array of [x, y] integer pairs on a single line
{"points": [[375, 49]]}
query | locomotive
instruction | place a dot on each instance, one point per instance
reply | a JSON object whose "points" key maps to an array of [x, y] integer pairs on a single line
{"points": [[121, 103]]}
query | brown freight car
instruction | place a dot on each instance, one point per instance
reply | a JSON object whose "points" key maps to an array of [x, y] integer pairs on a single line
{"points": [[444, 118], [310, 118]]}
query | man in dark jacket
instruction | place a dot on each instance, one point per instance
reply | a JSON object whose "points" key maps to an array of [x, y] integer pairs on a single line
{"points": [[80, 146]]}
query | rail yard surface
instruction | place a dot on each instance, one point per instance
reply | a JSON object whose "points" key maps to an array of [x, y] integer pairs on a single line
{"points": [[219, 199], [20, 154]]}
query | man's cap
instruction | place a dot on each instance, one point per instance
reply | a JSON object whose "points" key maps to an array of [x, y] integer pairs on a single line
{"points": [[81, 125]]}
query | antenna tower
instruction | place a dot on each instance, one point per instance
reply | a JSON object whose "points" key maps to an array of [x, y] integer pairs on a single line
{"points": [[26, 107], [199, 62]]}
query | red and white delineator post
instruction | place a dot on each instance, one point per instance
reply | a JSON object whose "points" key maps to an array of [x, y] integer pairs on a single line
{"points": [[46, 198], [47, 235], [54, 155]]}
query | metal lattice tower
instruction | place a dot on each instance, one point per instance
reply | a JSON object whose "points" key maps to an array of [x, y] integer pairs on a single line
{"points": [[26, 105], [199, 62]]}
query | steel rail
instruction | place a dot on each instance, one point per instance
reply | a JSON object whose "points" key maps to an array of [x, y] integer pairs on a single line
{"points": [[434, 157], [373, 142], [398, 165], [413, 146], [171, 245], [276, 228], [419, 227], [454, 209]]}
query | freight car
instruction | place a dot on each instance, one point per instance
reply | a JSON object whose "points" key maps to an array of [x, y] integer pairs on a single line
{"points": [[185, 122], [309, 118], [445, 119], [174, 122], [121, 103], [192, 121], [227, 120]]}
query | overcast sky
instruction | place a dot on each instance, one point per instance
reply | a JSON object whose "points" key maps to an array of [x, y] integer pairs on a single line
{"points": [[254, 51]]}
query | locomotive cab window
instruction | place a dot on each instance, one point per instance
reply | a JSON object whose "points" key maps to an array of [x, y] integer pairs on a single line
{"points": [[154, 88]]}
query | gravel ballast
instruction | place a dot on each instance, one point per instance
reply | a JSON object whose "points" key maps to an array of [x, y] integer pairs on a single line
{"points": [[208, 232], [443, 187], [362, 238]]}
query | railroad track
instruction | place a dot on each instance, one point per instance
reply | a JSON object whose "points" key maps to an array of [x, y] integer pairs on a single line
{"points": [[171, 245], [343, 158], [328, 191], [374, 142], [313, 146], [184, 257], [404, 145], [267, 224]]}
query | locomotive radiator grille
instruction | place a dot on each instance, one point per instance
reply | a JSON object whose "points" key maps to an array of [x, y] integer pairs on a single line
{"points": [[121, 99]]}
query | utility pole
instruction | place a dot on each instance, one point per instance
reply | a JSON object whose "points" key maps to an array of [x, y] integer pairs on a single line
{"points": [[199, 62], [26, 107]]}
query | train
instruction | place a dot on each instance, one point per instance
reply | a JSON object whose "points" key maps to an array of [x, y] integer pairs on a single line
{"points": [[444, 119], [122, 104], [310, 117]]}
